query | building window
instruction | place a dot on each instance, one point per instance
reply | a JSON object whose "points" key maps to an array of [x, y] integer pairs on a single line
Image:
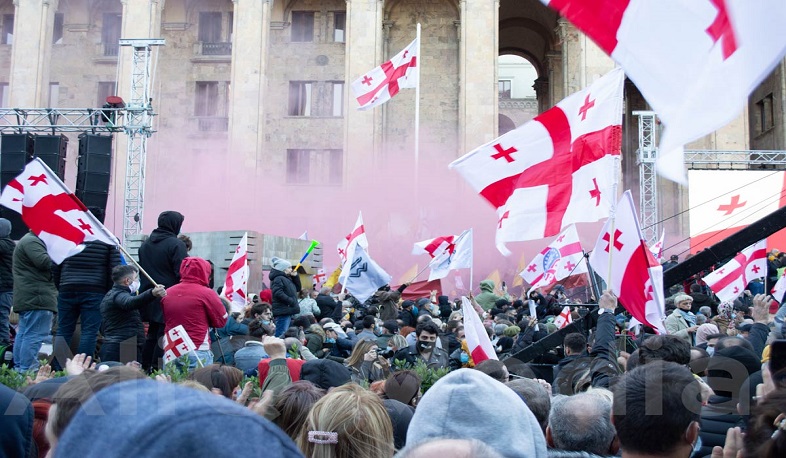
{"points": [[110, 33], [315, 167], [302, 26], [54, 94], [339, 27], [211, 36], [504, 89], [300, 98], [210, 100], [765, 114], [105, 89], [338, 99], [8, 30], [57, 31], [4, 96]]}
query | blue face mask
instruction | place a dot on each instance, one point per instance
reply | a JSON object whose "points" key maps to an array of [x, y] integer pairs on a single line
{"points": [[464, 358], [265, 322], [415, 310], [330, 340]]}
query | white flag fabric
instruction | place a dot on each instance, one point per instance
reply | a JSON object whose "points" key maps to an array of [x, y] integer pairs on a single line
{"points": [[730, 280], [177, 343], [695, 62], [564, 318], [52, 212], [779, 289], [555, 170], [382, 83], [319, 278], [478, 342], [448, 253], [561, 258], [364, 276], [236, 283], [636, 278], [346, 246], [304, 236], [657, 248]]}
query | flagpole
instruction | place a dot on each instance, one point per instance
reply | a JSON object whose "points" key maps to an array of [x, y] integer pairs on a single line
{"points": [[417, 111], [612, 216], [458, 239], [133, 261]]}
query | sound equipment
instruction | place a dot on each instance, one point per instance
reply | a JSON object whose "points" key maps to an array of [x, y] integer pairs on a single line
{"points": [[16, 150], [94, 167]]}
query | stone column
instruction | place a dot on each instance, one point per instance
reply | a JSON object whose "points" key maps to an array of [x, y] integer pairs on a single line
{"points": [[362, 138], [542, 92], [556, 78], [31, 53], [479, 48], [583, 61], [250, 43]]}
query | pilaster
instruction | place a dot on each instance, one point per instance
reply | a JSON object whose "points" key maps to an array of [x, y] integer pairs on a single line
{"points": [[31, 52]]}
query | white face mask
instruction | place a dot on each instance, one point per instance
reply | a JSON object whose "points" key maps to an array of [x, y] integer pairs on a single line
{"points": [[134, 286]]}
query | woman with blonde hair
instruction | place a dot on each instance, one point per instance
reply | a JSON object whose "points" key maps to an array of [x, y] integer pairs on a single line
{"points": [[366, 364], [349, 422]]}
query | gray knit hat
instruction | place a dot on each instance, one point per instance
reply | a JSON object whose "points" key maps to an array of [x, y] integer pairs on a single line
{"points": [[280, 264]]}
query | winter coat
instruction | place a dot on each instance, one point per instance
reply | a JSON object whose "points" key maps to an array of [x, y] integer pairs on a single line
{"points": [[285, 288], [676, 325], [700, 300], [439, 358], [717, 417], [368, 372], [487, 299], [161, 255], [315, 340], [388, 305], [192, 304], [34, 288], [326, 305], [308, 306], [250, 355], [120, 313], [88, 271], [6, 257]]}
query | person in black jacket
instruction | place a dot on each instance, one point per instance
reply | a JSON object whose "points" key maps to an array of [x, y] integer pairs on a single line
{"points": [[326, 304], [160, 255], [285, 284], [123, 330], [6, 280], [82, 281]]}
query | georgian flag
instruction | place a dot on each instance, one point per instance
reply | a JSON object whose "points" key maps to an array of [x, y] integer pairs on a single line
{"points": [[779, 289], [52, 212], [636, 278], [657, 249], [561, 258], [564, 318], [731, 279], [447, 252], [364, 276], [695, 61], [236, 283], [555, 170], [177, 343], [319, 278], [346, 247], [382, 83], [478, 342]]}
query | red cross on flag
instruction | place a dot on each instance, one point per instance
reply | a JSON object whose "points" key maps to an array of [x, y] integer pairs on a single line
{"points": [[448, 253], [564, 318], [52, 212], [779, 289], [730, 280], [694, 61], [346, 247], [561, 258], [319, 278], [555, 170], [382, 83], [636, 278], [657, 248], [236, 283], [177, 343], [478, 342]]}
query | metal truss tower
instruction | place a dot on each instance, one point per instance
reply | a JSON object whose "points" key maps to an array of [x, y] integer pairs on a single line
{"points": [[648, 180]]}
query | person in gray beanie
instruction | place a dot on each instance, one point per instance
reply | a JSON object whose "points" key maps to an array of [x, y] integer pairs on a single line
{"points": [[285, 284], [154, 419], [6, 280], [451, 408]]}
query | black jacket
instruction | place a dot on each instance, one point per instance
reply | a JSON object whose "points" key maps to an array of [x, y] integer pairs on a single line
{"points": [[120, 313], [6, 260], [285, 288], [326, 305], [88, 271], [717, 417], [161, 255]]}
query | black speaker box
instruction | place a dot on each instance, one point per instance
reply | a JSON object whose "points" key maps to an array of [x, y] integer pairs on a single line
{"points": [[94, 167], [16, 150], [52, 150]]}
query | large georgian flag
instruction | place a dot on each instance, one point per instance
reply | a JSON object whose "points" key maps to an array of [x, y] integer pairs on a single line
{"points": [[555, 170], [695, 61], [52, 212], [447, 252], [636, 278], [382, 83], [236, 283], [561, 258], [730, 280]]}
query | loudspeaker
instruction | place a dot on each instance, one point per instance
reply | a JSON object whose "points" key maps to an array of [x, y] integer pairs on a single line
{"points": [[93, 172], [16, 150], [52, 150]]}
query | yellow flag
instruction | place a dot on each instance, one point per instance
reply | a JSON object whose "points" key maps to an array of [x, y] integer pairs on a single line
{"points": [[495, 277], [517, 280], [408, 275], [333, 278]]}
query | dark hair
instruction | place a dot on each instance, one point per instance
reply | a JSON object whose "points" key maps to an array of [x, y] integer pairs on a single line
{"points": [[535, 395], [732, 341], [391, 326], [428, 326], [633, 361], [758, 439], [303, 321], [368, 321], [576, 342], [122, 271], [225, 378], [257, 329], [258, 309], [661, 396], [293, 405], [453, 325], [187, 240], [699, 364], [695, 288], [403, 386], [493, 368], [666, 348]]}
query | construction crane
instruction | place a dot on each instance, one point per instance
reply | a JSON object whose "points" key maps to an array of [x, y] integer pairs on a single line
{"points": [[134, 117]]}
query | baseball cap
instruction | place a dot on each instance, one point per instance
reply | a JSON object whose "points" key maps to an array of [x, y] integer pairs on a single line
{"points": [[332, 326]]}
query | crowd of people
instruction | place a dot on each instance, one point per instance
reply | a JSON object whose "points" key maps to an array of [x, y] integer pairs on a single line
{"points": [[312, 373]]}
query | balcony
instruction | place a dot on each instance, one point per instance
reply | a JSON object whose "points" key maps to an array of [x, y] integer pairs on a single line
{"points": [[206, 52], [217, 49], [111, 49], [213, 123]]}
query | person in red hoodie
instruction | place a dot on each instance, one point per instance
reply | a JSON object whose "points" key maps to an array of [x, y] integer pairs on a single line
{"points": [[194, 305]]}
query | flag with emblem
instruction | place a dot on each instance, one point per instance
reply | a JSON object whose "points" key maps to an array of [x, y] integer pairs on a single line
{"points": [[448, 253], [52, 212], [731, 279], [555, 170], [657, 248], [177, 343], [236, 283], [635, 277], [564, 318], [384, 82], [364, 276], [695, 62], [561, 258]]}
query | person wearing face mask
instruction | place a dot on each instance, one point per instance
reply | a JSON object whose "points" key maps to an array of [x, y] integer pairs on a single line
{"points": [[425, 348], [123, 330], [285, 284]]}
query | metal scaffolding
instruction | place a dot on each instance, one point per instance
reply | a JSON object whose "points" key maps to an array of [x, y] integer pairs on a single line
{"points": [[648, 180]]}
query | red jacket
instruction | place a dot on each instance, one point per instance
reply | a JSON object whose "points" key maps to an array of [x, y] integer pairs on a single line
{"points": [[192, 304]]}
